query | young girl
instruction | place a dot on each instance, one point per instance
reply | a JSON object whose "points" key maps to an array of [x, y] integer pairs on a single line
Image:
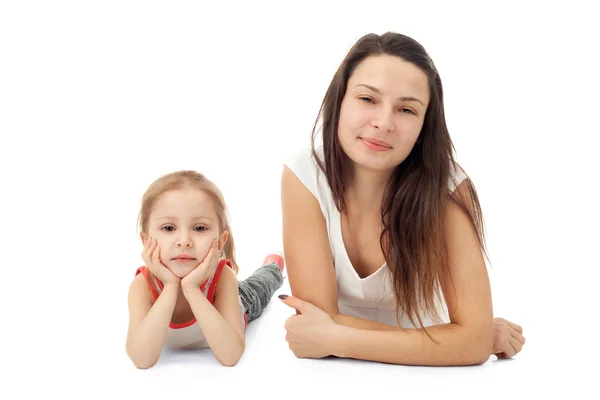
{"points": [[187, 294], [382, 229]]}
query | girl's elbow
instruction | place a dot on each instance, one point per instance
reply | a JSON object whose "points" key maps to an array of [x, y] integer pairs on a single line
{"points": [[141, 362], [229, 363], [231, 359], [144, 365]]}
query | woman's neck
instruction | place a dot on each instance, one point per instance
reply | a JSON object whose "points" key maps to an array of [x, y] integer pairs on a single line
{"points": [[365, 191]]}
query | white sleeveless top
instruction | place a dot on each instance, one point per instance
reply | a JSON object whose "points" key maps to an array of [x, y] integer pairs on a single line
{"points": [[188, 335], [371, 297]]}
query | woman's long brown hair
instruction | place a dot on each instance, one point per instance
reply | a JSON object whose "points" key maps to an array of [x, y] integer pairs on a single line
{"points": [[413, 205]]}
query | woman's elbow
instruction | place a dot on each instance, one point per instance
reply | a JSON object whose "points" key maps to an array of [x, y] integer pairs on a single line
{"points": [[479, 357], [481, 348]]}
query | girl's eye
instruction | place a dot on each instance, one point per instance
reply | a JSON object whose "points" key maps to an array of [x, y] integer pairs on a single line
{"points": [[168, 228], [200, 228]]}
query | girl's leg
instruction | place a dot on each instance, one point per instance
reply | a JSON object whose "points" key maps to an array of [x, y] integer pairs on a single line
{"points": [[256, 290]]}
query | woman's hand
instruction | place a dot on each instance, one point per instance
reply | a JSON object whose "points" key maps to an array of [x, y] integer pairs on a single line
{"points": [[151, 256], [311, 333], [508, 338]]}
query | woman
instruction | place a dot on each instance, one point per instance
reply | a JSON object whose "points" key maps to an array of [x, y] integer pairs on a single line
{"points": [[382, 230]]}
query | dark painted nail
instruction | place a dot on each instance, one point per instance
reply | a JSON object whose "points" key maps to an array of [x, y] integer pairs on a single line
{"points": [[283, 296]]}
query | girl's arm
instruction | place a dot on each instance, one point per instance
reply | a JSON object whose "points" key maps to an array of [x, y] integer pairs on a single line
{"points": [[221, 324], [466, 340], [148, 323]]}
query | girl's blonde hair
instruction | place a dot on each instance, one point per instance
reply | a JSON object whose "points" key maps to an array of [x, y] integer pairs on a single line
{"points": [[188, 179]]}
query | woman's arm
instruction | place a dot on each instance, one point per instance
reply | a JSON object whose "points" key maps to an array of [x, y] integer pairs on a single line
{"points": [[148, 323], [466, 340], [306, 246], [508, 336], [221, 324], [308, 253], [361, 323]]}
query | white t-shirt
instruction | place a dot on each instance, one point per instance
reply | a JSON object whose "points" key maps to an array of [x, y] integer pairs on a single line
{"points": [[371, 297]]}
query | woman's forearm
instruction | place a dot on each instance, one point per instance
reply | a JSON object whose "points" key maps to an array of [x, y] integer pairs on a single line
{"points": [[361, 323], [456, 345]]}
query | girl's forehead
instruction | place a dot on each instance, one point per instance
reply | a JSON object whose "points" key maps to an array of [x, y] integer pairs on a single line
{"points": [[190, 203]]}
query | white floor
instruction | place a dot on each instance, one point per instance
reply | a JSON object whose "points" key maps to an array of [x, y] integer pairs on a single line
{"points": [[78, 348], [550, 363]]}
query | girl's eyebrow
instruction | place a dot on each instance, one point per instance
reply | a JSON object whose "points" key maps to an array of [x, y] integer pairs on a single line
{"points": [[200, 217]]}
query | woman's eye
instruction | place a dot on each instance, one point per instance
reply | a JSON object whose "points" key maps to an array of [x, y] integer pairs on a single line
{"points": [[366, 99]]}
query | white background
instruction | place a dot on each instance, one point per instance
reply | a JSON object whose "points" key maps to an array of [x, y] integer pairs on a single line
{"points": [[97, 99]]}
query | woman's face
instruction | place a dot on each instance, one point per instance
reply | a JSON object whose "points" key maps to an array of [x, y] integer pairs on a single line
{"points": [[382, 112]]}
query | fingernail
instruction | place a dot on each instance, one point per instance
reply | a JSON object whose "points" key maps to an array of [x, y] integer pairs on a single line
{"points": [[283, 296]]}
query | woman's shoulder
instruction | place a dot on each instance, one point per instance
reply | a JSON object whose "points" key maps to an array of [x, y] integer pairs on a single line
{"points": [[304, 166], [302, 163], [302, 160], [457, 176]]}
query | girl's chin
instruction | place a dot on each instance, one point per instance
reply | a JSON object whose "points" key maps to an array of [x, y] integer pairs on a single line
{"points": [[181, 272]]}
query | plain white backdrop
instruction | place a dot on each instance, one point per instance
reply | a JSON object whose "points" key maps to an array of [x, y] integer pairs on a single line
{"points": [[97, 99]]}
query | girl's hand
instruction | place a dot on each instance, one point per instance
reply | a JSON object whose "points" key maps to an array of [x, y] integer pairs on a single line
{"points": [[310, 333], [151, 256], [204, 270]]}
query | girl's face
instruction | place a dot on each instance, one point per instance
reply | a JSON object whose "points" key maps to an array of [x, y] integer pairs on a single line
{"points": [[184, 223], [382, 112]]}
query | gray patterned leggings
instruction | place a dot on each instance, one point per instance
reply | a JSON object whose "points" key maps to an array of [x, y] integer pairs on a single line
{"points": [[256, 290]]}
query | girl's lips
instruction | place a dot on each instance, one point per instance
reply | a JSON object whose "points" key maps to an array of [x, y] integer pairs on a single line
{"points": [[183, 259]]}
